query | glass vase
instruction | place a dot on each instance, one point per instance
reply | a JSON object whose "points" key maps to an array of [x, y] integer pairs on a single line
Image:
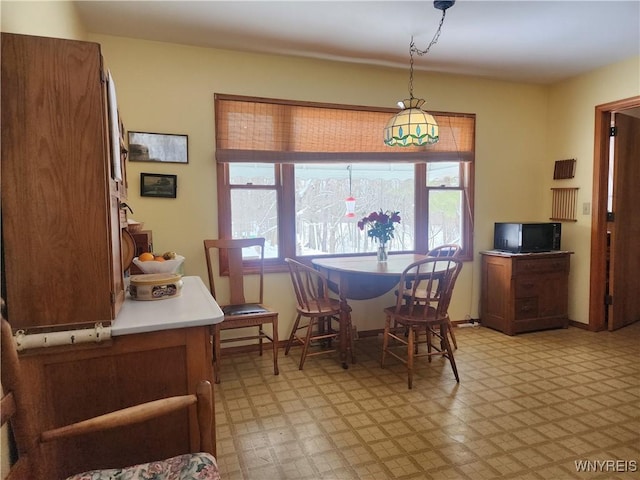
{"points": [[382, 252]]}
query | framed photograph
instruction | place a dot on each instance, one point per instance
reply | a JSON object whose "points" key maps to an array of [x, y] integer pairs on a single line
{"points": [[158, 147], [158, 185]]}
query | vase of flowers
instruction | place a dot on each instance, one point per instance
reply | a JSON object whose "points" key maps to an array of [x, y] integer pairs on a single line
{"points": [[380, 226]]}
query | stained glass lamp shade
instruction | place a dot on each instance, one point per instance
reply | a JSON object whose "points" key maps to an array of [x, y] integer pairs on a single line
{"points": [[411, 126]]}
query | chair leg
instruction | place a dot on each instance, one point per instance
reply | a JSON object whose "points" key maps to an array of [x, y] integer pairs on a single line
{"points": [[216, 353], [453, 335], [274, 336], [410, 357], [350, 332], [260, 337], [294, 329], [307, 342], [385, 339], [449, 350]]}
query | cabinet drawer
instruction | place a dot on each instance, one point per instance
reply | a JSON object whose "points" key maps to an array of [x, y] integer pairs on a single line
{"points": [[526, 308], [541, 265], [529, 286]]}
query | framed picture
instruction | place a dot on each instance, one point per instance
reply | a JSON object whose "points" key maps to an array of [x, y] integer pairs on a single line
{"points": [[158, 147], [158, 185]]}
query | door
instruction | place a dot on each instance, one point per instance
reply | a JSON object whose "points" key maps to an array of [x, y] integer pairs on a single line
{"points": [[624, 271]]}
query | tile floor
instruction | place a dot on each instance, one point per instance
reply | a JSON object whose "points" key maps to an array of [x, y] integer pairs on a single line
{"points": [[527, 407]]}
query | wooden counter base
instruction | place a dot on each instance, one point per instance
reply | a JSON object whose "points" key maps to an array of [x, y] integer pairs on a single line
{"points": [[76, 383]]}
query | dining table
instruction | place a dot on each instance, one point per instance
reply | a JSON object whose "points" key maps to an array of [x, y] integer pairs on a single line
{"points": [[359, 278]]}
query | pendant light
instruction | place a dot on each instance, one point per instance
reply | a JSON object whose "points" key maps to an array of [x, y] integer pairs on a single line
{"points": [[412, 126]]}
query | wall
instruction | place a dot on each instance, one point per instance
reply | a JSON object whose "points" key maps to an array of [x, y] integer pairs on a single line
{"points": [[169, 88], [57, 19], [572, 117]]}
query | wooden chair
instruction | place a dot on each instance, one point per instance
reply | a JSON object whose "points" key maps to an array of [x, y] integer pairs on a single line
{"points": [[435, 277], [238, 312], [28, 441], [445, 250], [323, 312]]}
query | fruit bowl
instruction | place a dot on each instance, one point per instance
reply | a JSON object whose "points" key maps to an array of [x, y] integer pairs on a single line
{"points": [[153, 266]]}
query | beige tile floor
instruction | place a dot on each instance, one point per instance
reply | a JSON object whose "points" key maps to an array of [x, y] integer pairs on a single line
{"points": [[527, 407]]}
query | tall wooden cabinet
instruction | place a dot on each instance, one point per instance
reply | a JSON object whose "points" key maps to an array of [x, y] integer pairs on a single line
{"points": [[60, 188], [63, 181], [524, 292]]}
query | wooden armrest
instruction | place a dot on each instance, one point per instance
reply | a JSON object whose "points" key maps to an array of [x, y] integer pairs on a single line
{"points": [[119, 418], [141, 413], [7, 407]]}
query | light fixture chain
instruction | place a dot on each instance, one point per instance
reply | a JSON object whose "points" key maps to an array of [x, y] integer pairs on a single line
{"points": [[434, 40], [412, 47]]}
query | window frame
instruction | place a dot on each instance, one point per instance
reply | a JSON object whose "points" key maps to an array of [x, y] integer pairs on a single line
{"points": [[284, 184]]}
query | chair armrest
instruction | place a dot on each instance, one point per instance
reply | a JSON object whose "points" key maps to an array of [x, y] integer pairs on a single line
{"points": [[143, 412]]}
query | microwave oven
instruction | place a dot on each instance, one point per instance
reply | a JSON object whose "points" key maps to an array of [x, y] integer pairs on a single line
{"points": [[527, 237]]}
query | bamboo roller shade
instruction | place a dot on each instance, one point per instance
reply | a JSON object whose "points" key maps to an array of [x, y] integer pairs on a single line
{"points": [[250, 129]]}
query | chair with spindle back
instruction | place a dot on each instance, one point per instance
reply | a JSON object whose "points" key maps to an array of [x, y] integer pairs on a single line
{"points": [[435, 277]]}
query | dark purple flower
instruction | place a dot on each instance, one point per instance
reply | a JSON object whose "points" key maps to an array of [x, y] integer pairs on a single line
{"points": [[380, 225]]}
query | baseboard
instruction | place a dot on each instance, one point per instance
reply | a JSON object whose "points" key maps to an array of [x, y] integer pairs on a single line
{"points": [[254, 347], [573, 323]]}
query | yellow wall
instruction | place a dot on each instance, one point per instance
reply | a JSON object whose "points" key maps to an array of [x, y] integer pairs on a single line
{"points": [[57, 19], [169, 88], [521, 130], [571, 125]]}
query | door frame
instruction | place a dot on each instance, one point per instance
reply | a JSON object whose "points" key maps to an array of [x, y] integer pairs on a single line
{"points": [[597, 288]]}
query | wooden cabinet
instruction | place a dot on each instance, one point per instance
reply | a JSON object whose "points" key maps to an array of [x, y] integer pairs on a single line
{"points": [[61, 191], [86, 380], [524, 292], [63, 182]]}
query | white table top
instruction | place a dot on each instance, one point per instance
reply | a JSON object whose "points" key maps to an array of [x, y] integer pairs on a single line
{"points": [[193, 307]]}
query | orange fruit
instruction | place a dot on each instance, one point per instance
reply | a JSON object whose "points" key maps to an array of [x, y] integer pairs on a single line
{"points": [[159, 258], [146, 256]]}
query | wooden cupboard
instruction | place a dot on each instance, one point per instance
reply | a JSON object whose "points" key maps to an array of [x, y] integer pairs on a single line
{"points": [[61, 187], [524, 292], [85, 380]]}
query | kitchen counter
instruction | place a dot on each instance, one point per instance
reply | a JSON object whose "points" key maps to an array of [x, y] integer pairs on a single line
{"points": [[194, 307], [157, 349]]}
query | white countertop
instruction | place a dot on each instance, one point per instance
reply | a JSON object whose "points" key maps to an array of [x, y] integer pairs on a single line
{"points": [[193, 307]]}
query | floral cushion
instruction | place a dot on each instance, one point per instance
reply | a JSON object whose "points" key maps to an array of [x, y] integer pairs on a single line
{"points": [[197, 466]]}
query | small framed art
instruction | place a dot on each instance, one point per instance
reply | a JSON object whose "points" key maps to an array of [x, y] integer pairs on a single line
{"points": [[158, 185], [158, 147]]}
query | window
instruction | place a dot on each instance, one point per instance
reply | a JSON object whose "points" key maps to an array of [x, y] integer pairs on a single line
{"points": [[284, 174]]}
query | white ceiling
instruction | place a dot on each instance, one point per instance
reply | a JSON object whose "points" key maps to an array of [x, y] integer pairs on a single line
{"points": [[532, 41]]}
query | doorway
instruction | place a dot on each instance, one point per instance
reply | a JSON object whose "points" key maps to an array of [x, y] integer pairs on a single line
{"points": [[614, 235]]}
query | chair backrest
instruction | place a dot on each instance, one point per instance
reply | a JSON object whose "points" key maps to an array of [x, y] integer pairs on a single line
{"points": [[15, 412], [431, 281], [230, 251], [446, 250], [310, 286]]}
